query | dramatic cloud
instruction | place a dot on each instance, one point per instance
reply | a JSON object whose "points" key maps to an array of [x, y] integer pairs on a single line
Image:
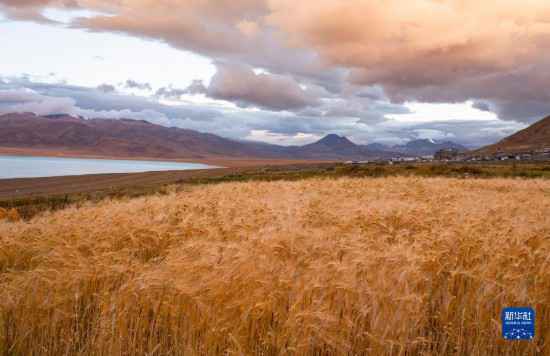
{"points": [[338, 66], [28, 101], [444, 50], [22, 95], [432, 50], [241, 85], [228, 30], [365, 124]]}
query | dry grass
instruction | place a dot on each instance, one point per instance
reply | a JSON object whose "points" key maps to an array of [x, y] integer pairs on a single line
{"points": [[9, 214], [391, 266]]}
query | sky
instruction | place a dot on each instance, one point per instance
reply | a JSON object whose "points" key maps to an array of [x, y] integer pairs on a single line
{"points": [[283, 71]]}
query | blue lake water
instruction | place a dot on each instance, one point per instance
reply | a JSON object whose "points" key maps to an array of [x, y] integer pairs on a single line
{"points": [[32, 167]]}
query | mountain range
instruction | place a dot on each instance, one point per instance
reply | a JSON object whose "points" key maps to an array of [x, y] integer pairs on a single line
{"points": [[421, 147], [136, 138]]}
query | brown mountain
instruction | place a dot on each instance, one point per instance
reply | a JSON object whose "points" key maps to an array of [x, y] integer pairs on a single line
{"points": [[125, 138], [337, 147], [134, 138], [535, 137]]}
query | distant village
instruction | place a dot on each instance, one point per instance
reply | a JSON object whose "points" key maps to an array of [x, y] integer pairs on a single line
{"points": [[454, 155], [542, 154]]}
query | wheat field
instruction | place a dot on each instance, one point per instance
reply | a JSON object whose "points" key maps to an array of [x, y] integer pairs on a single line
{"points": [[389, 266]]}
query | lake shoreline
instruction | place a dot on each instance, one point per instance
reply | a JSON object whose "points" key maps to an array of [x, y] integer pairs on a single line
{"points": [[19, 188], [19, 167], [220, 161]]}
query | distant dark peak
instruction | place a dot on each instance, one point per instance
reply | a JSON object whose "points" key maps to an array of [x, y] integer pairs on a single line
{"points": [[335, 140]]}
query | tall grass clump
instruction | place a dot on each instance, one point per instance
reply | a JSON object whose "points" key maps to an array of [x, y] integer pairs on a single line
{"points": [[9, 214], [350, 266]]}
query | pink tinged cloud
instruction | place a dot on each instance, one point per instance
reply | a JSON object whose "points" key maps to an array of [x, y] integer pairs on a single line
{"points": [[432, 50], [240, 84]]}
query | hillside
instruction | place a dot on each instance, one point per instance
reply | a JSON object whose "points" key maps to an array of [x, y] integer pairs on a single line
{"points": [[128, 138], [134, 138], [534, 137]]}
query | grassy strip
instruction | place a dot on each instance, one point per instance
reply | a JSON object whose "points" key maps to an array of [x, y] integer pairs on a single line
{"points": [[30, 207]]}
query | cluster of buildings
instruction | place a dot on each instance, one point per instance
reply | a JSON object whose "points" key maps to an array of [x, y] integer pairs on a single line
{"points": [[454, 155], [395, 160], [542, 154]]}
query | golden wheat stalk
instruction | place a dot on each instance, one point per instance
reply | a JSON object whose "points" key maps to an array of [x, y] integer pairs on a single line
{"points": [[392, 266]]}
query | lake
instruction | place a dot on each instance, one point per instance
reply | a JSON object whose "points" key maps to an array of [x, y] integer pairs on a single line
{"points": [[32, 167]]}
